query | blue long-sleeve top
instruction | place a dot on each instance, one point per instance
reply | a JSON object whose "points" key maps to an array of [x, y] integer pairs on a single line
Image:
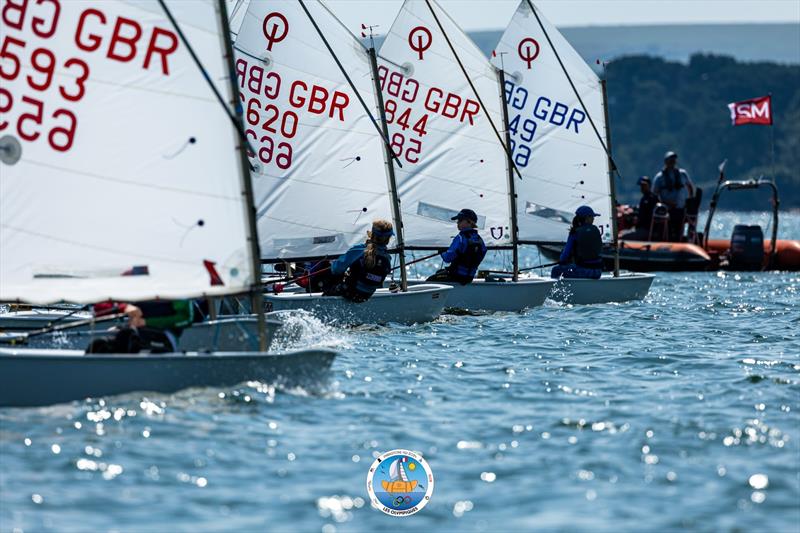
{"points": [[340, 266], [458, 246], [566, 253]]}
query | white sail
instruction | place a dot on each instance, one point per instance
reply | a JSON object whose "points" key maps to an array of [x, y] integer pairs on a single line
{"points": [[451, 157], [555, 148], [319, 172], [397, 472], [236, 12], [127, 162]]}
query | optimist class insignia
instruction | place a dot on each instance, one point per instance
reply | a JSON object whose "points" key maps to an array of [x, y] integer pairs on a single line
{"points": [[400, 483]]}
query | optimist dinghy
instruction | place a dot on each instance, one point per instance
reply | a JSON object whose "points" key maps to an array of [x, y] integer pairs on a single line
{"points": [[319, 204], [453, 158], [178, 160], [563, 159]]}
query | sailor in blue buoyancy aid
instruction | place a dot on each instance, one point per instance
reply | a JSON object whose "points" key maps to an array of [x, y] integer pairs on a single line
{"points": [[364, 267], [465, 253], [580, 258]]}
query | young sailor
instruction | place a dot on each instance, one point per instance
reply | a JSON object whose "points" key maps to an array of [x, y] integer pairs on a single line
{"points": [[465, 253], [358, 273], [580, 258], [153, 326]]}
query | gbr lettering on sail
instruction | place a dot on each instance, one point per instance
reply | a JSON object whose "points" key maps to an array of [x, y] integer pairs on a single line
{"points": [[277, 99], [48, 54]]}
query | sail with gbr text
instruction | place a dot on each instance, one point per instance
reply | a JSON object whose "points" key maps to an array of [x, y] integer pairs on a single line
{"points": [[119, 168], [562, 162], [318, 167], [451, 157]]}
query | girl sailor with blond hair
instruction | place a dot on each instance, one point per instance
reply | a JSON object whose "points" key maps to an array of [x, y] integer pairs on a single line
{"points": [[363, 268]]}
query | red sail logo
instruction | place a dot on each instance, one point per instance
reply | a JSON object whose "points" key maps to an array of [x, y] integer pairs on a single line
{"points": [[275, 28], [420, 39], [528, 50]]}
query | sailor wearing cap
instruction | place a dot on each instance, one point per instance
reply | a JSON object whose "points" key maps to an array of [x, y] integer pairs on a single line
{"points": [[673, 186], [465, 253], [646, 205], [364, 267], [580, 258]]}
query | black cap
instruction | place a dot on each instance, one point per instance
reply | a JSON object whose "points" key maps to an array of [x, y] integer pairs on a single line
{"points": [[467, 214]]}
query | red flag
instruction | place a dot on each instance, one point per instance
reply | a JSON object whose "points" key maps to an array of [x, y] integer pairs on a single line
{"points": [[212, 272], [752, 111]]}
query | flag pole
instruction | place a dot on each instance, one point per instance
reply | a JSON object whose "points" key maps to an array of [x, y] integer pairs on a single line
{"points": [[772, 137]]}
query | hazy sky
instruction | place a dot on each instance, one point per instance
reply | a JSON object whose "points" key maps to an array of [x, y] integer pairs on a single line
{"points": [[495, 14]]}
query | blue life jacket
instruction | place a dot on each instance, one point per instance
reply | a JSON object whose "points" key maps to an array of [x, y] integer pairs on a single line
{"points": [[361, 282], [588, 245], [464, 267]]}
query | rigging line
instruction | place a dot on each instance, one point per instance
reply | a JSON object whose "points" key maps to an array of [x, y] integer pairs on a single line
{"points": [[185, 41], [350, 82], [575, 90], [474, 90]]}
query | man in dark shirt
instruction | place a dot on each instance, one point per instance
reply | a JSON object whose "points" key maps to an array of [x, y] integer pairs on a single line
{"points": [[646, 206]]}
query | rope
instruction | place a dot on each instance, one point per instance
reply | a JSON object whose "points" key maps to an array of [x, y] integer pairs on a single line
{"points": [[575, 90], [350, 82], [475, 91]]}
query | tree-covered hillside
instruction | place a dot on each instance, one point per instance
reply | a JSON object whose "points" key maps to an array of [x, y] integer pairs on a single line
{"points": [[657, 105]]}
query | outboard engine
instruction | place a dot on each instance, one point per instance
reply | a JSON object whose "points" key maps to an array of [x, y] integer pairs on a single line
{"points": [[747, 248]]}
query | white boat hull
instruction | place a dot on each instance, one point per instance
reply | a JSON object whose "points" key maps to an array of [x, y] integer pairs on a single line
{"points": [[422, 303], [607, 289], [227, 334], [28, 320], [30, 378], [482, 295]]}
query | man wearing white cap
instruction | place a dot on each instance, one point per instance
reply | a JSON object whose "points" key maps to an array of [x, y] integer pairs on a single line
{"points": [[673, 186]]}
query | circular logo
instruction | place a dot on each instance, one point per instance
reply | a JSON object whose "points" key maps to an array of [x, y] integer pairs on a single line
{"points": [[400, 483]]}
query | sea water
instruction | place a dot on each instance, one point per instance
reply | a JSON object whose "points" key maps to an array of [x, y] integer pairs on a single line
{"points": [[680, 411]]}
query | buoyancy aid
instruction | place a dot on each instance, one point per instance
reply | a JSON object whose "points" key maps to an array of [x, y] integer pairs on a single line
{"points": [[673, 180], [588, 245], [362, 281], [464, 267]]}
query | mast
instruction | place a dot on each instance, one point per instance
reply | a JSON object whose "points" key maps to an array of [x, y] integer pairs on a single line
{"points": [[388, 157], [256, 295], [611, 184], [512, 194]]}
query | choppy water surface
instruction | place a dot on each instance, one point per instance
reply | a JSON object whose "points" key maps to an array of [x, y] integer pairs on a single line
{"points": [[681, 411]]}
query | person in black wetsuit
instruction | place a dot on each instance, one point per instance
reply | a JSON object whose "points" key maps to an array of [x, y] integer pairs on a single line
{"points": [[465, 253], [580, 258]]}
